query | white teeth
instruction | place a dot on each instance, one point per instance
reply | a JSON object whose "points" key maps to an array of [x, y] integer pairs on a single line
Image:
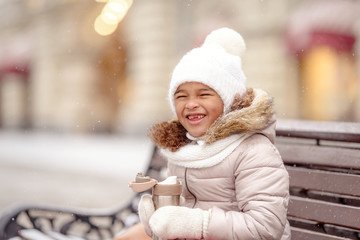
{"points": [[198, 117]]}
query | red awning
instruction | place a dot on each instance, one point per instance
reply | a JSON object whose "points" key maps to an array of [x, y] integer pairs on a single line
{"points": [[15, 54], [330, 22]]}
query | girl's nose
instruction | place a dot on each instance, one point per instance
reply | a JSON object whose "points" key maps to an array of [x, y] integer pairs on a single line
{"points": [[192, 104]]}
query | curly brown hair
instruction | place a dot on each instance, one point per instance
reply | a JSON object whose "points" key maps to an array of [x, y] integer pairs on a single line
{"points": [[171, 135], [243, 101]]}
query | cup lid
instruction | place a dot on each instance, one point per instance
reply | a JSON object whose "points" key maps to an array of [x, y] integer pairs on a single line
{"points": [[142, 186]]}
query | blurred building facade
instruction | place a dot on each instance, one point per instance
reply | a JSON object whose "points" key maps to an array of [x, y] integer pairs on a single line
{"points": [[58, 74]]}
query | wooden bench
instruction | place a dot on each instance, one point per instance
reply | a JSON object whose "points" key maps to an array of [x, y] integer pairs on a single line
{"points": [[323, 160]]}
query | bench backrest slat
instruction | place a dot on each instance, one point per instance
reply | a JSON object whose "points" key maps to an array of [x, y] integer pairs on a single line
{"points": [[331, 182], [326, 212], [319, 155], [301, 234], [335, 131]]}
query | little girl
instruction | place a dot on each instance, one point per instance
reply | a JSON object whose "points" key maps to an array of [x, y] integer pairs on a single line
{"points": [[221, 148]]}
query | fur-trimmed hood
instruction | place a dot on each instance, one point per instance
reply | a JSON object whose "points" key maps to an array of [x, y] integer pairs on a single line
{"points": [[249, 113]]}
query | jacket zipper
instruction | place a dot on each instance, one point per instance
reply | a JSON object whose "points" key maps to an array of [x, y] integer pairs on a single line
{"points": [[187, 187]]}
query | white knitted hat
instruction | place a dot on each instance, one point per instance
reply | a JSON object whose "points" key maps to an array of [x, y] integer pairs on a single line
{"points": [[216, 63]]}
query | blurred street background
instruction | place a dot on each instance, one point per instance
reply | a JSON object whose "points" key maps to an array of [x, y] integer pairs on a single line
{"points": [[82, 80], [69, 170]]}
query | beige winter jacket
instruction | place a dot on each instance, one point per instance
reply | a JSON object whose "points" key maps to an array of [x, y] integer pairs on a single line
{"points": [[243, 181]]}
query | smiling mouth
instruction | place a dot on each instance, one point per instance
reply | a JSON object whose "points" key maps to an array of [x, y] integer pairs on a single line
{"points": [[195, 117]]}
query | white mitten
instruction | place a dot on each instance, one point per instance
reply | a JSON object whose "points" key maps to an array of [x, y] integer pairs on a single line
{"points": [[146, 209], [172, 222]]}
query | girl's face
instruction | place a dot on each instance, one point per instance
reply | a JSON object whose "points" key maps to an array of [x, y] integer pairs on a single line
{"points": [[197, 107]]}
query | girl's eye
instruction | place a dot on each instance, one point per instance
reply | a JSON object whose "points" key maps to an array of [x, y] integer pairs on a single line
{"points": [[179, 96]]}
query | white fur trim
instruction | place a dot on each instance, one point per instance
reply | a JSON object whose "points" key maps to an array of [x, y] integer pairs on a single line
{"points": [[205, 155]]}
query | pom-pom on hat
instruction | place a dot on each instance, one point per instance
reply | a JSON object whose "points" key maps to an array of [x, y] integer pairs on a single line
{"points": [[216, 63]]}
